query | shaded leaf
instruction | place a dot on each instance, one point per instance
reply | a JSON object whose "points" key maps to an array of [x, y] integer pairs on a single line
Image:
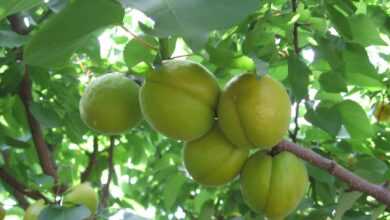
{"points": [[172, 189], [339, 21], [345, 203], [8, 7], [136, 52], [326, 118], [369, 35], [190, 18], [298, 76], [46, 116], [333, 82], [62, 213], [355, 120], [371, 168], [62, 34], [9, 39]]}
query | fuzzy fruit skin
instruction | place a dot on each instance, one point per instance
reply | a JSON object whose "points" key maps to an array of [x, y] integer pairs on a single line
{"points": [[254, 113], [274, 185], [179, 100], [212, 160], [83, 194], [2, 213], [110, 104], [33, 211], [382, 112]]}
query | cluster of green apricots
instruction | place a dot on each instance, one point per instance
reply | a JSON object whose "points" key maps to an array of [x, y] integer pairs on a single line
{"points": [[220, 128]]}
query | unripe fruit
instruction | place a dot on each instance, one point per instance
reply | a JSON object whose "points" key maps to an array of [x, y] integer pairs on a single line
{"points": [[254, 112], [83, 194], [179, 98], [273, 185], [110, 104], [382, 112], [212, 160], [2, 213], [33, 211]]}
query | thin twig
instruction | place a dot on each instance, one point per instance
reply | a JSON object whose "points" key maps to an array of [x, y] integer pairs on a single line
{"points": [[295, 28], [137, 38], [355, 182], [18, 186], [180, 56], [111, 172], [92, 160], [294, 133]]}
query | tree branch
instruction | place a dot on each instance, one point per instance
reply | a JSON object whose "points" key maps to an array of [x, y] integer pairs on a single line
{"points": [[25, 93], [111, 172], [92, 160], [17, 186], [42, 149], [22, 201], [295, 28], [357, 183]]}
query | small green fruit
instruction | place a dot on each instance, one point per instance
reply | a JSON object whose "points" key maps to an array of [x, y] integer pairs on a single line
{"points": [[110, 104], [382, 112], [212, 160], [33, 211], [254, 113], [274, 185], [83, 194], [179, 99]]}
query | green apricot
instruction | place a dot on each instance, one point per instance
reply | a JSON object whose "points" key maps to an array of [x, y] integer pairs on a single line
{"points": [[179, 99], [110, 104], [212, 160], [33, 211], [83, 194], [254, 113], [274, 185]]}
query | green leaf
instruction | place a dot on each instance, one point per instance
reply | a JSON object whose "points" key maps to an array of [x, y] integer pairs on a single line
{"points": [[46, 116], [339, 21], [365, 31], [372, 169], [9, 39], [172, 189], [64, 33], [355, 120], [377, 212], [345, 203], [326, 118], [331, 50], [207, 211], [333, 82], [298, 76], [320, 175], [16, 143], [136, 52], [358, 68], [43, 182], [62, 213], [75, 128], [191, 18], [8, 7]]}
